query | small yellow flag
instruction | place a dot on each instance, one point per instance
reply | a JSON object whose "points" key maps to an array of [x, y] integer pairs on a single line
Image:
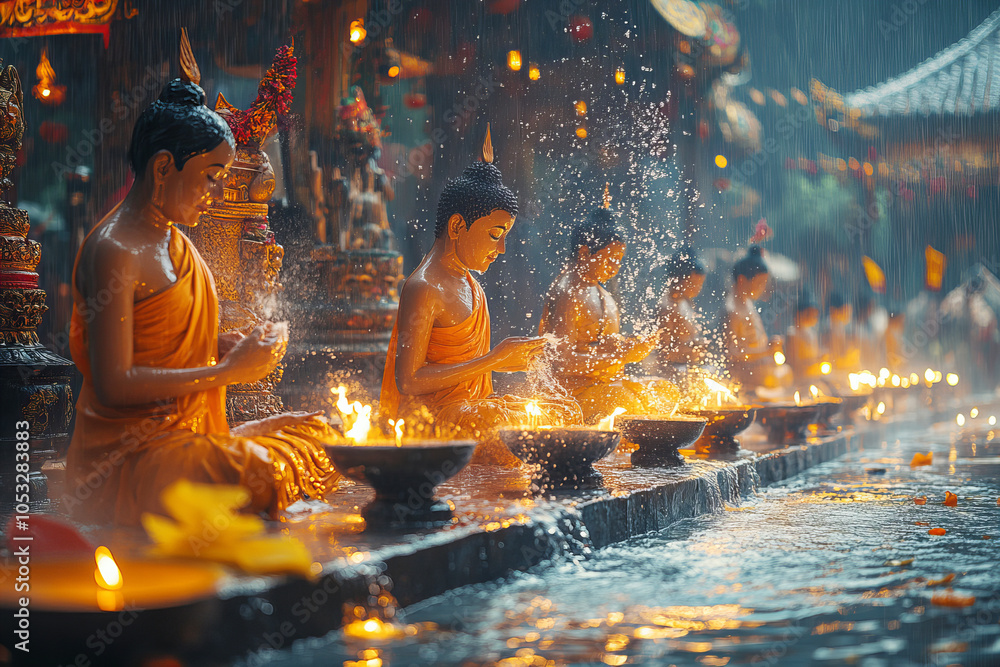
{"points": [[875, 275], [935, 269]]}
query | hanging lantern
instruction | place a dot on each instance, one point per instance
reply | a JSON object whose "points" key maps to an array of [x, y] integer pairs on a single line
{"points": [[620, 76], [581, 107], [514, 60], [357, 32], [581, 28], [415, 100], [534, 73], [685, 71], [46, 90]]}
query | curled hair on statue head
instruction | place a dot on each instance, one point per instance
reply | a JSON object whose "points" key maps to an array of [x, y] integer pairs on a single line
{"points": [[683, 264], [597, 232], [477, 193], [178, 122], [750, 266]]}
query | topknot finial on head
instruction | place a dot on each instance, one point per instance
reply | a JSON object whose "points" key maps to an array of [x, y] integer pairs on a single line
{"points": [[190, 71], [487, 146]]}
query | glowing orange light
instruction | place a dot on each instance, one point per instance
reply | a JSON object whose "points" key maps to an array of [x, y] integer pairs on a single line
{"points": [[514, 60], [357, 31], [721, 161], [779, 358], [581, 132], [393, 72], [620, 76], [107, 575], [581, 107], [825, 368], [608, 423], [533, 72]]}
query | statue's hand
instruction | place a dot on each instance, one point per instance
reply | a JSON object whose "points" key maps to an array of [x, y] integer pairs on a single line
{"points": [[273, 423], [514, 354], [256, 354], [228, 340]]}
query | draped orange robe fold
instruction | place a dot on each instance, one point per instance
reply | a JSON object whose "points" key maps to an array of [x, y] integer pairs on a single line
{"points": [[121, 459], [470, 406]]}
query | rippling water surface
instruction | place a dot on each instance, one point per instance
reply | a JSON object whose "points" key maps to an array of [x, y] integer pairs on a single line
{"points": [[832, 567]]}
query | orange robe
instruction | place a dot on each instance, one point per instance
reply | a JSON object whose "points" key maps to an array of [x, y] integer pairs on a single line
{"points": [[121, 458], [470, 407]]}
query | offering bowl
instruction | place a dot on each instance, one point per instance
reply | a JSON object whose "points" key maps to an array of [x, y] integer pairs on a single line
{"points": [[659, 438], [830, 406], [561, 456], [404, 477], [723, 425], [788, 421]]}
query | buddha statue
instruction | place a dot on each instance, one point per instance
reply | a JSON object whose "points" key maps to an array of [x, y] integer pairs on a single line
{"points": [[841, 338], [802, 340], [439, 360], [681, 340], [591, 353], [145, 336], [749, 352]]}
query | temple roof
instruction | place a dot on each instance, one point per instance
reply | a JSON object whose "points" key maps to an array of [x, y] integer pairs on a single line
{"points": [[963, 79]]}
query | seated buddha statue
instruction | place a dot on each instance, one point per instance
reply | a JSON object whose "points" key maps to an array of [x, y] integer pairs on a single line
{"points": [[802, 341], [749, 351], [591, 353], [841, 340], [681, 340], [145, 336], [439, 359]]}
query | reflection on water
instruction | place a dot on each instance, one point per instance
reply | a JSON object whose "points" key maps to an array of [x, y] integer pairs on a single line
{"points": [[833, 567]]}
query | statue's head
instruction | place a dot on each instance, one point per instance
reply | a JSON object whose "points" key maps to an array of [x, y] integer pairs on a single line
{"points": [[750, 274], [685, 272], [598, 246], [840, 309], [806, 312], [476, 212], [182, 150]]}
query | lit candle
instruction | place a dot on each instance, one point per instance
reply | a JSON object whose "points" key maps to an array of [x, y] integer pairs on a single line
{"points": [[534, 413], [608, 423], [798, 400]]}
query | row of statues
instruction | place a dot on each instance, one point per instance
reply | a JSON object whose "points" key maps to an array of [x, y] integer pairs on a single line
{"points": [[146, 334]]}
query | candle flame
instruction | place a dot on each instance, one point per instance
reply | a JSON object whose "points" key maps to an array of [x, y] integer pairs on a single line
{"points": [[798, 399], [960, 419], [825, 368], [718, 386], [362, 424], [951, 379], [107, 574], [608, 423], [534, 413], [814, 390], [880, 408], [398, 426], [779, 358], [929, 375]]}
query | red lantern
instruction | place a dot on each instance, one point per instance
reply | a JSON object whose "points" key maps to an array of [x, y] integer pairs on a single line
{"points": [[415, 100], [580, 28], [685, 71], [502, 6]]}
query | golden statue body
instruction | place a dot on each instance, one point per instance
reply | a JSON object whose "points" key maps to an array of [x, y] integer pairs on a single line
{"points": [[749, 351], [439, 356], [591, 354], [145, 336]]}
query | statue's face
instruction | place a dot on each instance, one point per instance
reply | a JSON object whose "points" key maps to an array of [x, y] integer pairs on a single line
{"points": [[752, 287], [189, 192], [603, 265], [479, 244], [691, 287], [841, 315], [808, 318]]}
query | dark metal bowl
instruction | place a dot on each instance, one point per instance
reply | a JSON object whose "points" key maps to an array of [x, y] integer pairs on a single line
{"points": [[404, 477], [787, 421], [723, 425], [659, 438], [562, 457], [830, 407]]}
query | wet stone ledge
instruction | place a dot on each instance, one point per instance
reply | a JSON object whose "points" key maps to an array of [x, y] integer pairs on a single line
{"points": [[502, 525]]}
